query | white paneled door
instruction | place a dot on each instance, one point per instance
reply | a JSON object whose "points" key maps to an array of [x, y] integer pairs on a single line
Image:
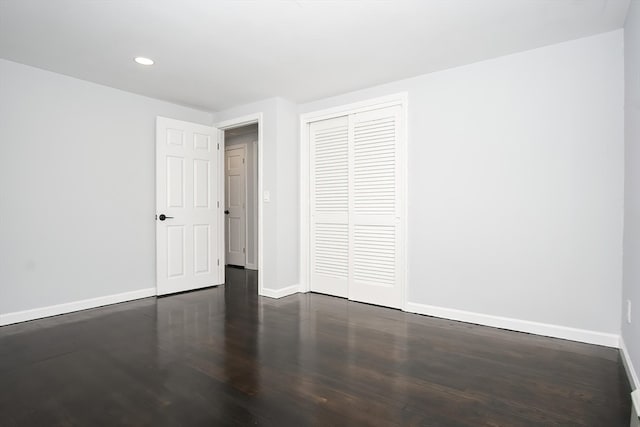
{"points": [[235, 205], [187, 213], [356, 196]]}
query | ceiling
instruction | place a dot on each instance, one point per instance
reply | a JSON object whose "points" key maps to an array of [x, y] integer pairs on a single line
{"points": [[215, 54]]}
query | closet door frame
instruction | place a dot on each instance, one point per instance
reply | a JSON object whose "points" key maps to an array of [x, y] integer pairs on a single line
{"points": [[399, 99]]}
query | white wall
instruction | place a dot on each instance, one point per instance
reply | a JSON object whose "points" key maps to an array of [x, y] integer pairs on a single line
{"points": [[289, 193], [251, 141], [516, 184], [631, 284], [280, 179], [77, 188]]}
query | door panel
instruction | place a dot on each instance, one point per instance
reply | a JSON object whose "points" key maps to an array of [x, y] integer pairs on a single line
{"points": [[186, 193], [202, 183], [175, 251], [375, 214], [330, 206], [235, 190], [175, 182], [202, 247]]}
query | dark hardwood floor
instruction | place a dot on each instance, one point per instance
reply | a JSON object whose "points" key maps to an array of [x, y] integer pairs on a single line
{"points": [[223, 356]]}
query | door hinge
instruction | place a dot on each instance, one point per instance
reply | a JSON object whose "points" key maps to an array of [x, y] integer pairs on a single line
{"points": [[244, 250], [218, 204], [218, 261], [218, 145], [243, 161]]}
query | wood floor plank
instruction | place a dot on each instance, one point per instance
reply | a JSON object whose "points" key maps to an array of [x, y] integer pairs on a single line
{"points": [[224, 356]]}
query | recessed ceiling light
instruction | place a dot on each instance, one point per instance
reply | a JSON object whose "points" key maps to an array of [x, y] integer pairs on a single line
{"points": [[143, 61]]}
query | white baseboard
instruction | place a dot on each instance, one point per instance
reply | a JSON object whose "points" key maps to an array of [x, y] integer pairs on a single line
{"points": [[279, 293], [628, 365], [573, 334], [635, 413], [545, 329], [54, 310]]}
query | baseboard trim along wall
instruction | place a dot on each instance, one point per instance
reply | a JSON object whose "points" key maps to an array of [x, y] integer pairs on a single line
{"points": [[279, 293], [54, 310], [573, 334], [545, 329], [628, 365], [635, 412]]}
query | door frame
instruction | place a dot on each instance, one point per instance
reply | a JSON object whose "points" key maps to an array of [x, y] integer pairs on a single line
{"points": [[306, 119], [246, 197], [254, 217], [231, 124]]}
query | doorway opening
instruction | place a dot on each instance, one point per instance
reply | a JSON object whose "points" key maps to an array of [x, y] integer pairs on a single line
{"points": [[241, 196], [190, 202]]}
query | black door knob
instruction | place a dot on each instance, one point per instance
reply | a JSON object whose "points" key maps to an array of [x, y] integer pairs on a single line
{"points": [[226, 212], [162, 217]]}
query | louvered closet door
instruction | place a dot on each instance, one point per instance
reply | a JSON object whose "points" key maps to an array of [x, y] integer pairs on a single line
{"points": [[329, 164], [374, 223]]}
